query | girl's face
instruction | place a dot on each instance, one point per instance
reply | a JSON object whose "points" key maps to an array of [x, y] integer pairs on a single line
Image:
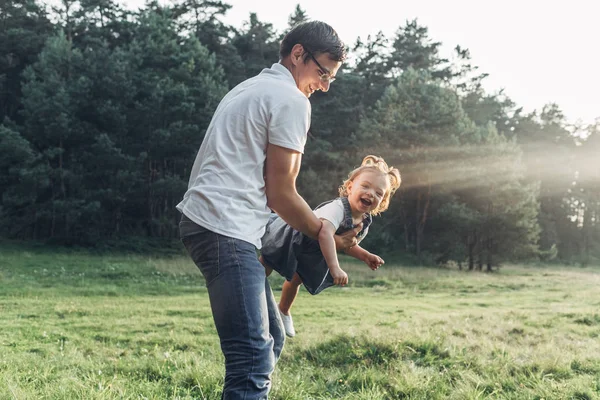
{"points": [[367, 190]]}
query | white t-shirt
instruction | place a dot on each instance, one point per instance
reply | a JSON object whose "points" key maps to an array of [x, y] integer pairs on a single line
{"points": [[332, 212], [226, 191]]}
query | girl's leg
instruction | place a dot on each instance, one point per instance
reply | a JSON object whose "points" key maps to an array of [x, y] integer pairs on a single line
{"points": [[289, 291], [267, 269]]}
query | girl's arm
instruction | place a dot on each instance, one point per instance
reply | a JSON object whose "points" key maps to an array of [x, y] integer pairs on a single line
{"points": [[327, 244], [372, 260]]}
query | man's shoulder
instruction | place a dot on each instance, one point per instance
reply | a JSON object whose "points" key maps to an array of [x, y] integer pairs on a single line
{"points": [[268, 87], [277, 83], [282, 89]]}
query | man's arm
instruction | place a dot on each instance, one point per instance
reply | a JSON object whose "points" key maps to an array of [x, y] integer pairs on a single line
{"points": [[281, 171]]}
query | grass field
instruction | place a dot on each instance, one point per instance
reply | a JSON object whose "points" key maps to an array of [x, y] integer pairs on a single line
{"points": [[82, 326]]}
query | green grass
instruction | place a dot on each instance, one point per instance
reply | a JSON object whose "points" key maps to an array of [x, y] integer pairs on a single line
{"points": [[81, 326]]}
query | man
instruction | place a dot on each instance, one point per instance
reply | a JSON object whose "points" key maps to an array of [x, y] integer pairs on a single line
{"points": [[247, 166]]}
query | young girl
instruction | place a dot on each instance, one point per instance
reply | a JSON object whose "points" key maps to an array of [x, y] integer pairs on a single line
{"points": [[302, 260]]}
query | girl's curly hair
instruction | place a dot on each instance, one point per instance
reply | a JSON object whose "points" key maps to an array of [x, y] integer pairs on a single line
{"points": [[377, 164]]}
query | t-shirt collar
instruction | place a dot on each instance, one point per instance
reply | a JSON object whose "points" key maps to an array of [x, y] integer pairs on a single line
{"points": [[281, 69]]}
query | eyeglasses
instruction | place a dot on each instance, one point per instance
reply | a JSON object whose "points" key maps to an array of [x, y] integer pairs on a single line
{"points": [[324, 74]]}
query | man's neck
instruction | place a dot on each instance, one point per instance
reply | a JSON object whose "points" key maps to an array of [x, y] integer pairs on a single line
{"points": [[286, 62]]}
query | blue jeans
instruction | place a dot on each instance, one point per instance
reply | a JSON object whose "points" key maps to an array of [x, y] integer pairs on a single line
{"points": [[244, 310]]}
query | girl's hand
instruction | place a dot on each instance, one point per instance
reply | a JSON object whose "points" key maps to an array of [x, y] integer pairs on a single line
{"points": [[339, 276], [374, 261]]}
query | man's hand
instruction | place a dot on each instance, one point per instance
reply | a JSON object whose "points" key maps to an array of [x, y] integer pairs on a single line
{"points": [[347, 239], [374, 261]]}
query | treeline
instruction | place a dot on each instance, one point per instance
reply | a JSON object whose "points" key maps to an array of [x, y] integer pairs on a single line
{"points": [[103, 110]]}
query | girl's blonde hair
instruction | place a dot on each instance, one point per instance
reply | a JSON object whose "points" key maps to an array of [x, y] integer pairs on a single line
{"points": [[377, 164]]}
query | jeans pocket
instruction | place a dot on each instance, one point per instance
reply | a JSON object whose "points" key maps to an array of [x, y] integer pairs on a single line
{"points": [[204, 251]]}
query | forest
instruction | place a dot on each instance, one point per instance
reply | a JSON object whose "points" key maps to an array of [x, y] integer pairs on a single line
{"points": [[103, 109]]}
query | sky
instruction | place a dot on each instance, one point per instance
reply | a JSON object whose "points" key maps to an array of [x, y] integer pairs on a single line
{"points": [[537, 51]]}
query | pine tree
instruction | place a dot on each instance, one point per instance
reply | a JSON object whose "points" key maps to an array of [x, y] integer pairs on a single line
{"points": [[24, 27]]}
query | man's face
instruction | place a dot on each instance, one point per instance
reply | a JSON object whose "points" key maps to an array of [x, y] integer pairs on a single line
{"points": [[316, 74]]}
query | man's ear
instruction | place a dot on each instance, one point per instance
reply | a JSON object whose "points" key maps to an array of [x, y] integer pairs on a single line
{"points": [[296, 54]]}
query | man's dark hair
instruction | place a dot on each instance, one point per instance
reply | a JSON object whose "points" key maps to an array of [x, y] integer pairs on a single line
{"points": [[316, 37]]}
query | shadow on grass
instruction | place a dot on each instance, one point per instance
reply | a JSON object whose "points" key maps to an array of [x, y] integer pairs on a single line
{"points": [[348, 352], [589, 320]]}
